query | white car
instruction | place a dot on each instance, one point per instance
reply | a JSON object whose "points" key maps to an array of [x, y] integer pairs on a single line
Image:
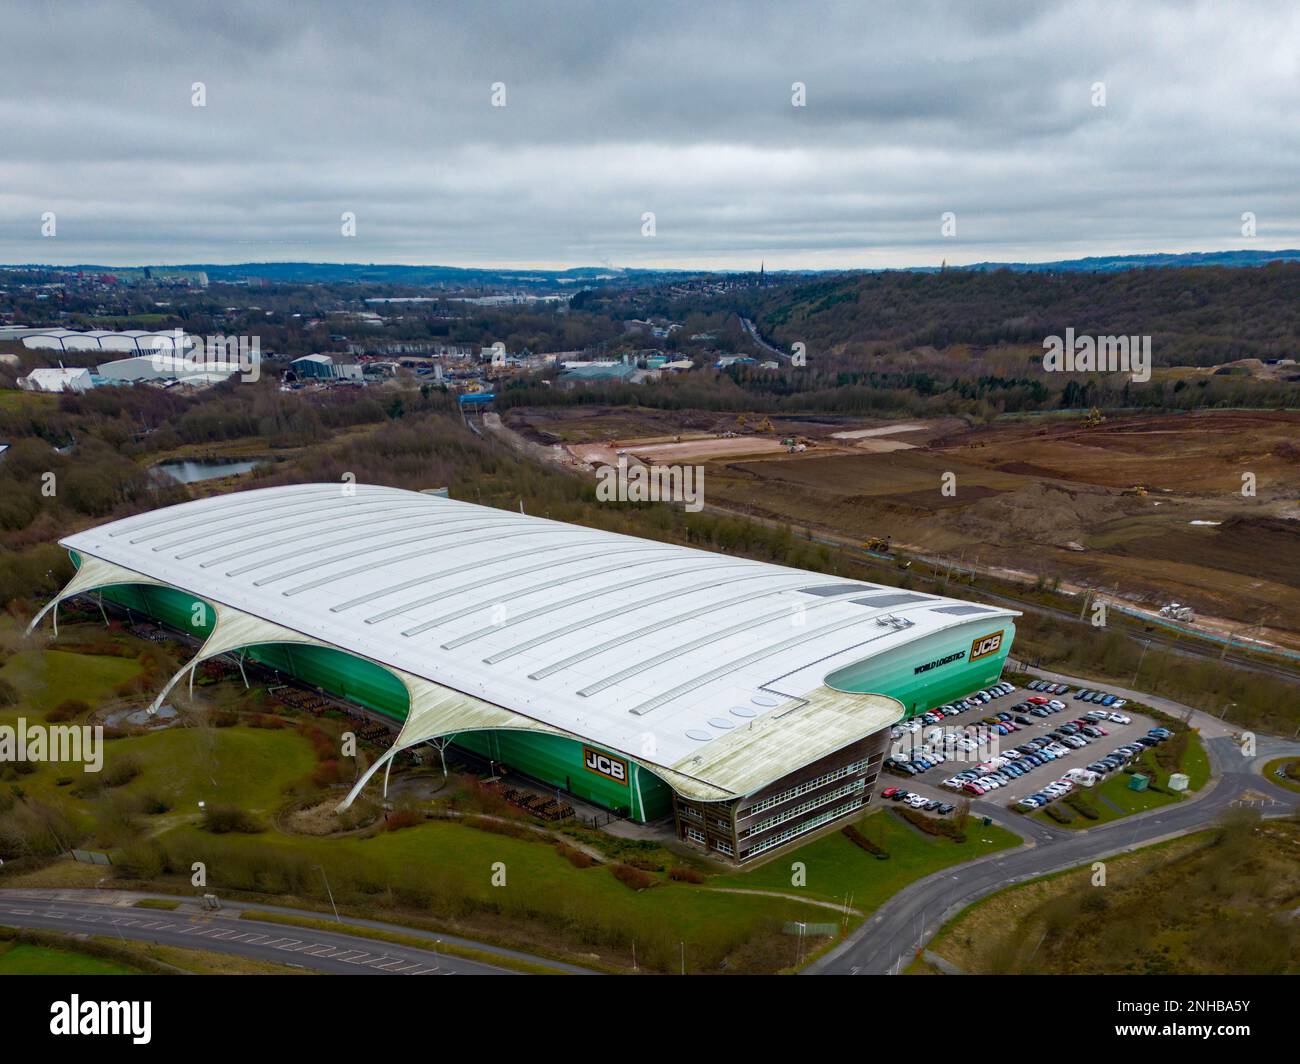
{"points": [[1056, 703], [916, 801], [1119, 718]]}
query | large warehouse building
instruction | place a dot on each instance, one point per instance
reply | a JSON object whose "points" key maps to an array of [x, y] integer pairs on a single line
{"points": [[750, 701]]}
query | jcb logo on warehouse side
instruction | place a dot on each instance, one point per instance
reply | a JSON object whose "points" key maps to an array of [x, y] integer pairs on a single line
{"points": [[985, 645], [603, 764]]}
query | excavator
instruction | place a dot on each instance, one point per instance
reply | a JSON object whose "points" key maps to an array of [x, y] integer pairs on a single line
{"points": [[742, 423]]}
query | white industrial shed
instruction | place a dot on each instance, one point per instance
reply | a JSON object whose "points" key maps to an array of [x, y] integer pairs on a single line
{"points": [[707, 670]]}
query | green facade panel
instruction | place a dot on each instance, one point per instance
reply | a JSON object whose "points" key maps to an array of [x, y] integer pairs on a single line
{"points": [[936, 669], [341, 674], [563, 763], [173, 608]]}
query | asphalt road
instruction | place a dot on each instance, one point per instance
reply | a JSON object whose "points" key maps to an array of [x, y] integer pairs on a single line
{"points": [[887, 942], [113, 913]]}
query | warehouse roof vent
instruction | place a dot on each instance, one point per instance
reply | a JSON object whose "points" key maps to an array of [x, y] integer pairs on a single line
{"points": [[962, 611], [827, 590], [896, 599]]}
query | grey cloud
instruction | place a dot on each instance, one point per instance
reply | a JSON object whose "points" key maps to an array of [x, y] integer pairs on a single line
{"points": [[617, 108]]}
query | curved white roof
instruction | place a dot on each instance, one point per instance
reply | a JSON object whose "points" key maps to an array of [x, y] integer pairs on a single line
{"points": [[652, 649]]}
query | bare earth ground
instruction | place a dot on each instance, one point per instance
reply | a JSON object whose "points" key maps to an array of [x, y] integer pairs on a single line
{"points": [[1110, 506]]}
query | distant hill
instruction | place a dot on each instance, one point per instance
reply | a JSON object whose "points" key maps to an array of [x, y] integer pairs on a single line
{"points": [[388, 274], [1102, 263], [472, 277], [1196, 315]]}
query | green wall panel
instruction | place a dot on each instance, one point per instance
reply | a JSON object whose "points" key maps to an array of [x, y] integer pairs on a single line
{"points": [[349, 677], [895, 674], [561, 762]]}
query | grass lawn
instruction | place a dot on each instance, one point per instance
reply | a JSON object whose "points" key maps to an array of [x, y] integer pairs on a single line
{"points": [[1271, 772], [247, 767], [44, 678], [23, 959], [440, 862], [836, 868]]}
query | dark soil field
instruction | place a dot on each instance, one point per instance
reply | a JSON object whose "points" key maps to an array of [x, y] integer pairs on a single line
{"points": [[1147, 508]]}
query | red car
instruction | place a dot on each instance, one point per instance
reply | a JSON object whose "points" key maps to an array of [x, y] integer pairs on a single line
{"points": [[889, 792], [1037, 700]]}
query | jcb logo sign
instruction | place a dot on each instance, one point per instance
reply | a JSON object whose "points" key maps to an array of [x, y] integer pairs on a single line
{"points": [[985, 645], [607, 765]]}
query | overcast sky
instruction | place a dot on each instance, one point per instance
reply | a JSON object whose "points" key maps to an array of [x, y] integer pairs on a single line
{"points": [[614, 109]]}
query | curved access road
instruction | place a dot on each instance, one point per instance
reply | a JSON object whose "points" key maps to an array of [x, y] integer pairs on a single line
{"points": [[887, 942]]}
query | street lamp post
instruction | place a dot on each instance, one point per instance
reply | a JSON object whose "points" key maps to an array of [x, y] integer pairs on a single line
{"points": [[1146, 644], [330, 893]]}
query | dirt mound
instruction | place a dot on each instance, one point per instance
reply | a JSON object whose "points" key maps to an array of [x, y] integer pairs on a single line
{"points": [[1047, 514]]}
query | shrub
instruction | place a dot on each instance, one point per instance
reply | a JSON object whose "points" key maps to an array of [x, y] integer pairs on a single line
{"points": [[1082, 804], [67, 710], [154, 804], [937, 826], [120, 770], [576, 857], [221, 819], [646, 864], [402, 818], [1059, 814], [858, 839], [686, 875], [8, 693], [632, 877]]}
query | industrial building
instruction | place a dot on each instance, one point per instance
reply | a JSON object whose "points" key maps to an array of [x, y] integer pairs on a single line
{"points": [[325, 367], [750, 701], [50, 379]]}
